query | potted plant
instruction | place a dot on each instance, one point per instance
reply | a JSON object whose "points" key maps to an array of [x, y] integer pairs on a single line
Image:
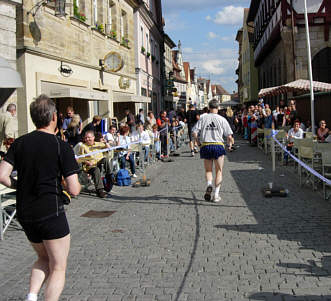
{"points": [[100, 28], [113, 34], [148, 54], [77, 13], [153, 58], [125, 42], [143, 49]]}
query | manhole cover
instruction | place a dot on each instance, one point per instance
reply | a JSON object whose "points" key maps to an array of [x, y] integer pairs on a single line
{"points": [[98, 214], [117, 231]]}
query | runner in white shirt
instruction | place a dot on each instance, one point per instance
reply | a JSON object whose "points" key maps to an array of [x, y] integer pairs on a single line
{"points": [[212, 128]]}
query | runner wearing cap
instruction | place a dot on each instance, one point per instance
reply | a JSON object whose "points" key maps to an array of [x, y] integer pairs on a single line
{"points": [[212, 127]]}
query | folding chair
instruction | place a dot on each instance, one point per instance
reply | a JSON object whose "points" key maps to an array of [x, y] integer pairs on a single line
{"points": [[7, 209], [326, 171]]}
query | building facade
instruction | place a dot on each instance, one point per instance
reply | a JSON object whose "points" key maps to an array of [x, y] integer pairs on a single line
{"points": [[8, 44], [220, 93], [249, 72], [239, 71], [180, 83], [149, 53], [280, 50], [168, 98], [82, 56]]}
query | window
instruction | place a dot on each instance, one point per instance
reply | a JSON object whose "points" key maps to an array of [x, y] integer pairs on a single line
{"points": [[147, 44], [142, 36], [152, 46], [124, 25], [143, 92], [95, 12]]}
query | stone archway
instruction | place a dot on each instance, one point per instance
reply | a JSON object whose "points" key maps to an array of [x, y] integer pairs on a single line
{"points": [[322, 66]]}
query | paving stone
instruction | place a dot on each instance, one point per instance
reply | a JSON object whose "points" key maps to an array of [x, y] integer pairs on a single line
{"points": [[173, 246]]}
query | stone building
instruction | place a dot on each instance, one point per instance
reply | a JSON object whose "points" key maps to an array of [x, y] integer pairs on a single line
{"points": [[84, 58], [280, 50], [220, 93], [249, 72], [8, 45], [168, 99], [180, 82], [239, 71], [149, 46]]}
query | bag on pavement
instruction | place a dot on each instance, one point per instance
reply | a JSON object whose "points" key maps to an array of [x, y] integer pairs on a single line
{"points": [[108, 182], [123, 178]]}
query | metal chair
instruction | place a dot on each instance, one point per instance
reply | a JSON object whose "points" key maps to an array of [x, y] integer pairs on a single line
{"points": [[7, 209], [326, 172], [260, 138], [306, 155]]}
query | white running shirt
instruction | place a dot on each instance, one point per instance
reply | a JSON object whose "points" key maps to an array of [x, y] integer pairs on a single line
{"points": [[212, 128]]}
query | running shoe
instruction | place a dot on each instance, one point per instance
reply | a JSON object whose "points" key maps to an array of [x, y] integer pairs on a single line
{"points": [[207, 196], [196, 150], [216, 199], [192, 154]]}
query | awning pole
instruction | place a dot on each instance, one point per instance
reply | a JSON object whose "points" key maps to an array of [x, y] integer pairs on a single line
{"points": [[310, 69]]}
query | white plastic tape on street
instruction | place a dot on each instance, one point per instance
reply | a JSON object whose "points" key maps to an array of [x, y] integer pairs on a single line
{"points": [[107, 149], [304, 165]]}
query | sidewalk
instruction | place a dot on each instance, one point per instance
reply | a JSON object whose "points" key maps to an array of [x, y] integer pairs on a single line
{"points": [[163, 243]]}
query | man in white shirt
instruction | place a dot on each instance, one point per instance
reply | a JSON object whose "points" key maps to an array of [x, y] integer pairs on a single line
{"points": [[212, 127], [294, 133]]}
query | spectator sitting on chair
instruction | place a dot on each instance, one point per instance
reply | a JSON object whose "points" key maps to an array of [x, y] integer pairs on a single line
{"points": [[111, 137], [323, 131], [294, 133], [125, 155], [145, 139], [92, 164]]}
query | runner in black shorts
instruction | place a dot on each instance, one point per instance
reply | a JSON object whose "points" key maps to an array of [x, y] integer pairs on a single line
{"points": [[41, 160], [192, 117]]}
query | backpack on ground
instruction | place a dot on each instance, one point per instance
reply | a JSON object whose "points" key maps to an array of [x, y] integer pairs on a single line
{"points": [[108, 182], [123, 178]]}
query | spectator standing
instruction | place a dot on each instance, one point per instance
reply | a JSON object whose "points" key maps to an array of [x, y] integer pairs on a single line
{"points": [[268, 119], [156, 138], [280, 122], [8, 127], [162, 123], [141, 117], [41, 160], [130, 121], [182, 114], [293, 113], [72, 133], [92, 126], [172, 115], [151, 118], [70, 113]]}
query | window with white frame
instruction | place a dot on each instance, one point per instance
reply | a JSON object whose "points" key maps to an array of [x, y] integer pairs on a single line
{"points": [[124, 25], [95, 12], [147, 43]]}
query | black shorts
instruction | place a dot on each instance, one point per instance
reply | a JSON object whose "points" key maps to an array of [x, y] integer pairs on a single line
{"points": [[54, 227], [189, 131]]}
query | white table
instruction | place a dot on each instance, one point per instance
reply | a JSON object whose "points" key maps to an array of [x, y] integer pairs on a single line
{"points": [[6, 217]]}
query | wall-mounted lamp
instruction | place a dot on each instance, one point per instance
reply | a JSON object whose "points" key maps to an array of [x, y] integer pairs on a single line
{"points": [[59, 7]]}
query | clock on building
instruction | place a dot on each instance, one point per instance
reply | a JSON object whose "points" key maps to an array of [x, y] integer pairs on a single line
{"points": [[113, 62]]}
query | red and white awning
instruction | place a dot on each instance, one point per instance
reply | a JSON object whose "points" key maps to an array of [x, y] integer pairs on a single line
{"points": [[300, 85]]}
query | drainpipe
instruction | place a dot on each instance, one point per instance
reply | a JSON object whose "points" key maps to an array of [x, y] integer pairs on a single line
{"points": [[293, 42]]}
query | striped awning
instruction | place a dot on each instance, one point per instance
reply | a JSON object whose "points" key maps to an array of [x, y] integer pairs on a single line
{"points": [[300, 85]]}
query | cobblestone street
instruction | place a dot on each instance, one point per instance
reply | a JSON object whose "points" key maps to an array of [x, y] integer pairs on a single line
{"points": [[163, 243]]}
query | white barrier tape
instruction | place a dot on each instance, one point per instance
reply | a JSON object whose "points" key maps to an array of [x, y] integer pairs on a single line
{"points": [[107, 149], [312, 171]]}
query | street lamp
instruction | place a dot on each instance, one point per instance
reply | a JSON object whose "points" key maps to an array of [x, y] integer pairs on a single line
{"points": [[310, 69]]}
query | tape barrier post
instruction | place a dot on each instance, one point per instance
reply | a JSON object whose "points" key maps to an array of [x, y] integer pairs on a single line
{"points": [[273, 154]]}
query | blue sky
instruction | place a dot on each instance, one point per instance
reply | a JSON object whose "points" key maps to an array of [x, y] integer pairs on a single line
{"points": [[207, 31]]}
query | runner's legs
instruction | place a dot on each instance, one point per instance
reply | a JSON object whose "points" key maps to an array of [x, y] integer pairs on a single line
{"points": [[57, 250], [40, 269], [219, 163], [209, 170]]}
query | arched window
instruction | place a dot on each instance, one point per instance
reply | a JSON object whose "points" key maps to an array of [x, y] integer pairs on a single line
{"points": [[322, 66]]}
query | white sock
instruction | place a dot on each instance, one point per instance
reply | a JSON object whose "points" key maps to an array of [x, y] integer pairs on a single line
{"points": [[209, 183], [31, 297], [217, 190]]}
